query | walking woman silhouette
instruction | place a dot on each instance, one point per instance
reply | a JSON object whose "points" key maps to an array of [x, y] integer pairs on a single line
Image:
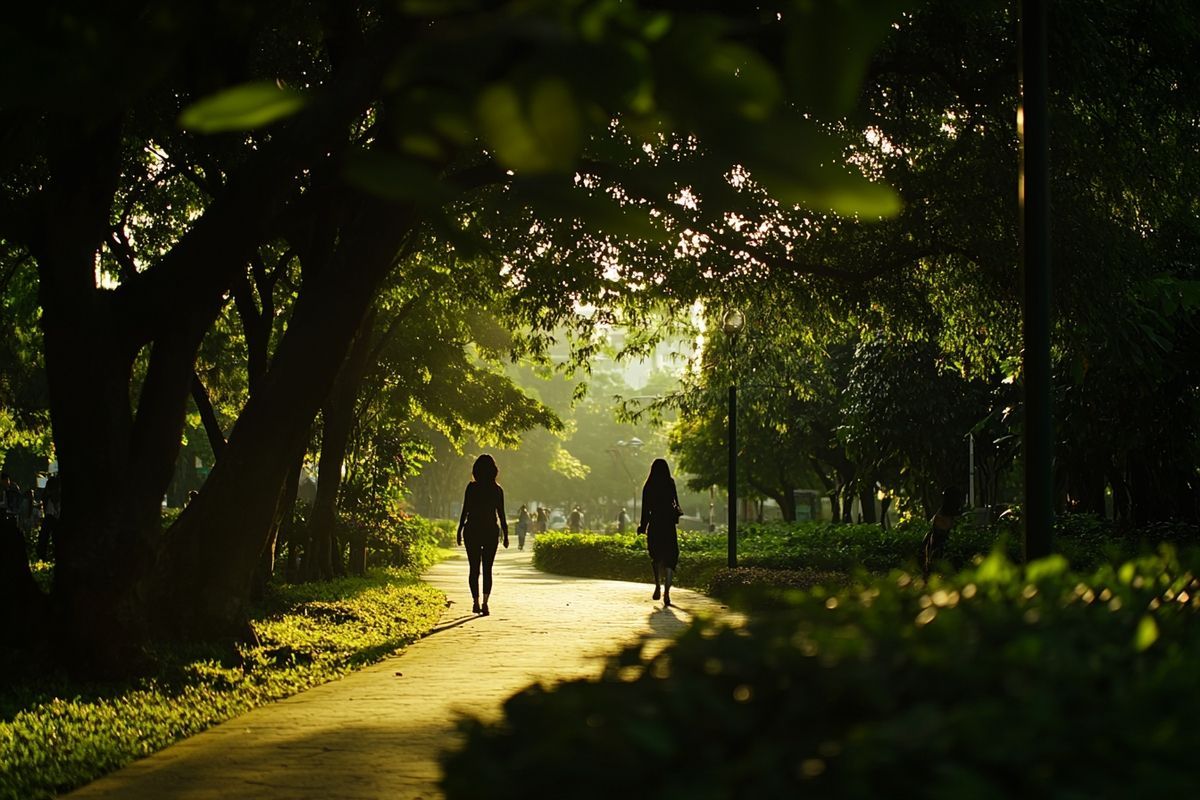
{"points": [[660, 513], [480, 525]]}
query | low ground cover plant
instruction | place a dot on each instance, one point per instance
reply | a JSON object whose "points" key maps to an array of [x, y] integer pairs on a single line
{"points": [[56, 733], [1000, 681]]}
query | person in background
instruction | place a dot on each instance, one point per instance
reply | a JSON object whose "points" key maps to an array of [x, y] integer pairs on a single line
{"points": [[51, 508], [29, 514], [543, 519], [480, 525], [933, 547], [575, 523], [522, 527], [622, 520], [660, 514], [10, 496]]}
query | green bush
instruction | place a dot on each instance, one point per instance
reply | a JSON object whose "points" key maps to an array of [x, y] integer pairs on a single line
{"points": [[761, 588], [623, 556], [999, 682], [398, 539], [56, 733]]}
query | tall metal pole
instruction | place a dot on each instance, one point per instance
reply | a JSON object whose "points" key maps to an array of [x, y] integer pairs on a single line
{"points": [[732, 474], [1034, 193]]}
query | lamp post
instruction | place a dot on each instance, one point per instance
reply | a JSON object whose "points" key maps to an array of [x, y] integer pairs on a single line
{"points": [[619, 451], [734, 321]]}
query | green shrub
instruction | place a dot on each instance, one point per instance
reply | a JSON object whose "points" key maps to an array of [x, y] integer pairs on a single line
{"points": [[760, 588], [56, 733], [829, 549], [623, 556], [399, 539], [998, 682]]}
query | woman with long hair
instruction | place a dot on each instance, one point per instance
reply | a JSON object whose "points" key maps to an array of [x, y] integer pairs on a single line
{"points": [[480, 525], [660, 514]]}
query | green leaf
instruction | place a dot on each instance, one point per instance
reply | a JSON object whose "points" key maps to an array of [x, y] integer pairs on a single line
{"points": [[542, 132], [392, 176], [240, 108], [1147, 633], [829, 46]]}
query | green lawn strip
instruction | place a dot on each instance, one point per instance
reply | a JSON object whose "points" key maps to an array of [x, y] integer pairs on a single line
{"points": [[56, 734], [775, 559]]}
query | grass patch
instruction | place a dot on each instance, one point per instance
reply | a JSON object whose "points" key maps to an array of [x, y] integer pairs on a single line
{"points": [[774, 559], [56, 734]]}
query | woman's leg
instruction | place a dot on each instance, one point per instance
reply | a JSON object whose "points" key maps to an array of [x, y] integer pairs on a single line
{"points": [[488, 553], [474, 556]]}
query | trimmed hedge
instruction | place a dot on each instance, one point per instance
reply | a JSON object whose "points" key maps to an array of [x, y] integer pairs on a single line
{"points": [[804, 551], [999, 682]]}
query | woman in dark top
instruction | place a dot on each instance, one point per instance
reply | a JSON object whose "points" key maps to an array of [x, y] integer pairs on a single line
{"points": [[660, 513], [480, 525]]}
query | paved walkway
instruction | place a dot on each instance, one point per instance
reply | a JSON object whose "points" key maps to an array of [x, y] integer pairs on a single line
{"points": [[378, 732]]}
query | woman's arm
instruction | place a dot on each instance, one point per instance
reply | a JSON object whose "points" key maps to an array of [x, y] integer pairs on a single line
{"points": [[645, 510], [500, 511], [462, 520]]}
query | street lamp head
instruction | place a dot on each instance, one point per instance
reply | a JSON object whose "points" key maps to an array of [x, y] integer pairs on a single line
{"points": [[734, 321]]}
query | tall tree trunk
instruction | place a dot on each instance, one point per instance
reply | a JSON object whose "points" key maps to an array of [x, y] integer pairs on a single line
{"points": [[288, 531], [866, 497], [216, 543], [835, 505], [337, 417]]}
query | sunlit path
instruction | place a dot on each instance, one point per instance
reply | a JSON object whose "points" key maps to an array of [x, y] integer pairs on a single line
{"points": [[377, 733]]}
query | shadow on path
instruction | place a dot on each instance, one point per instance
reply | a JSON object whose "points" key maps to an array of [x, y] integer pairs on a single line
{"points": [[379, 733]]}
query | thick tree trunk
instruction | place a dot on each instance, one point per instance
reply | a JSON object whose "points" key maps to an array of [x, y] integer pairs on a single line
{"points": [[289, 534], [867, 499], [216, 543], [337, 417]]}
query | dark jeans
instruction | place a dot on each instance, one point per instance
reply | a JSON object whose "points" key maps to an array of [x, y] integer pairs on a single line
{"points": [[481, 550]]}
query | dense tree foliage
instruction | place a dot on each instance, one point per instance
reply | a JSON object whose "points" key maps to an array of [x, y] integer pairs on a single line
{"points": [[162, 159]]}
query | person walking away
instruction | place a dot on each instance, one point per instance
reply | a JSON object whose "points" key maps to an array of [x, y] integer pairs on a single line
{"points": [[480, 525], [933, 547], [622, 520], [543, 519], [575, 523], [522, 527], [660, 514]]}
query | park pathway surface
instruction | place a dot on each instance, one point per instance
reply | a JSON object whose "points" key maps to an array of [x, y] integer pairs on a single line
{"points": [[378, 732]]}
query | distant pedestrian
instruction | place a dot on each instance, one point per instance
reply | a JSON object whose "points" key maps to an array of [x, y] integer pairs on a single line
{"points": [[575, 523], [660, 515], [933, 547], [522, 527], [10, 496], [480, 525], [543, 520], [29, 514], [51, 509], [622, 520]]}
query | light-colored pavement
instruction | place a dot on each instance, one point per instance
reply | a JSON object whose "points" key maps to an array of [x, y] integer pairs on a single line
{"points": [[378, 732]]}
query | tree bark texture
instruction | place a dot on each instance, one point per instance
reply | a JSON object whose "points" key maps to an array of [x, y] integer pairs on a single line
{"points": [[215, 545], [337, 417]]}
